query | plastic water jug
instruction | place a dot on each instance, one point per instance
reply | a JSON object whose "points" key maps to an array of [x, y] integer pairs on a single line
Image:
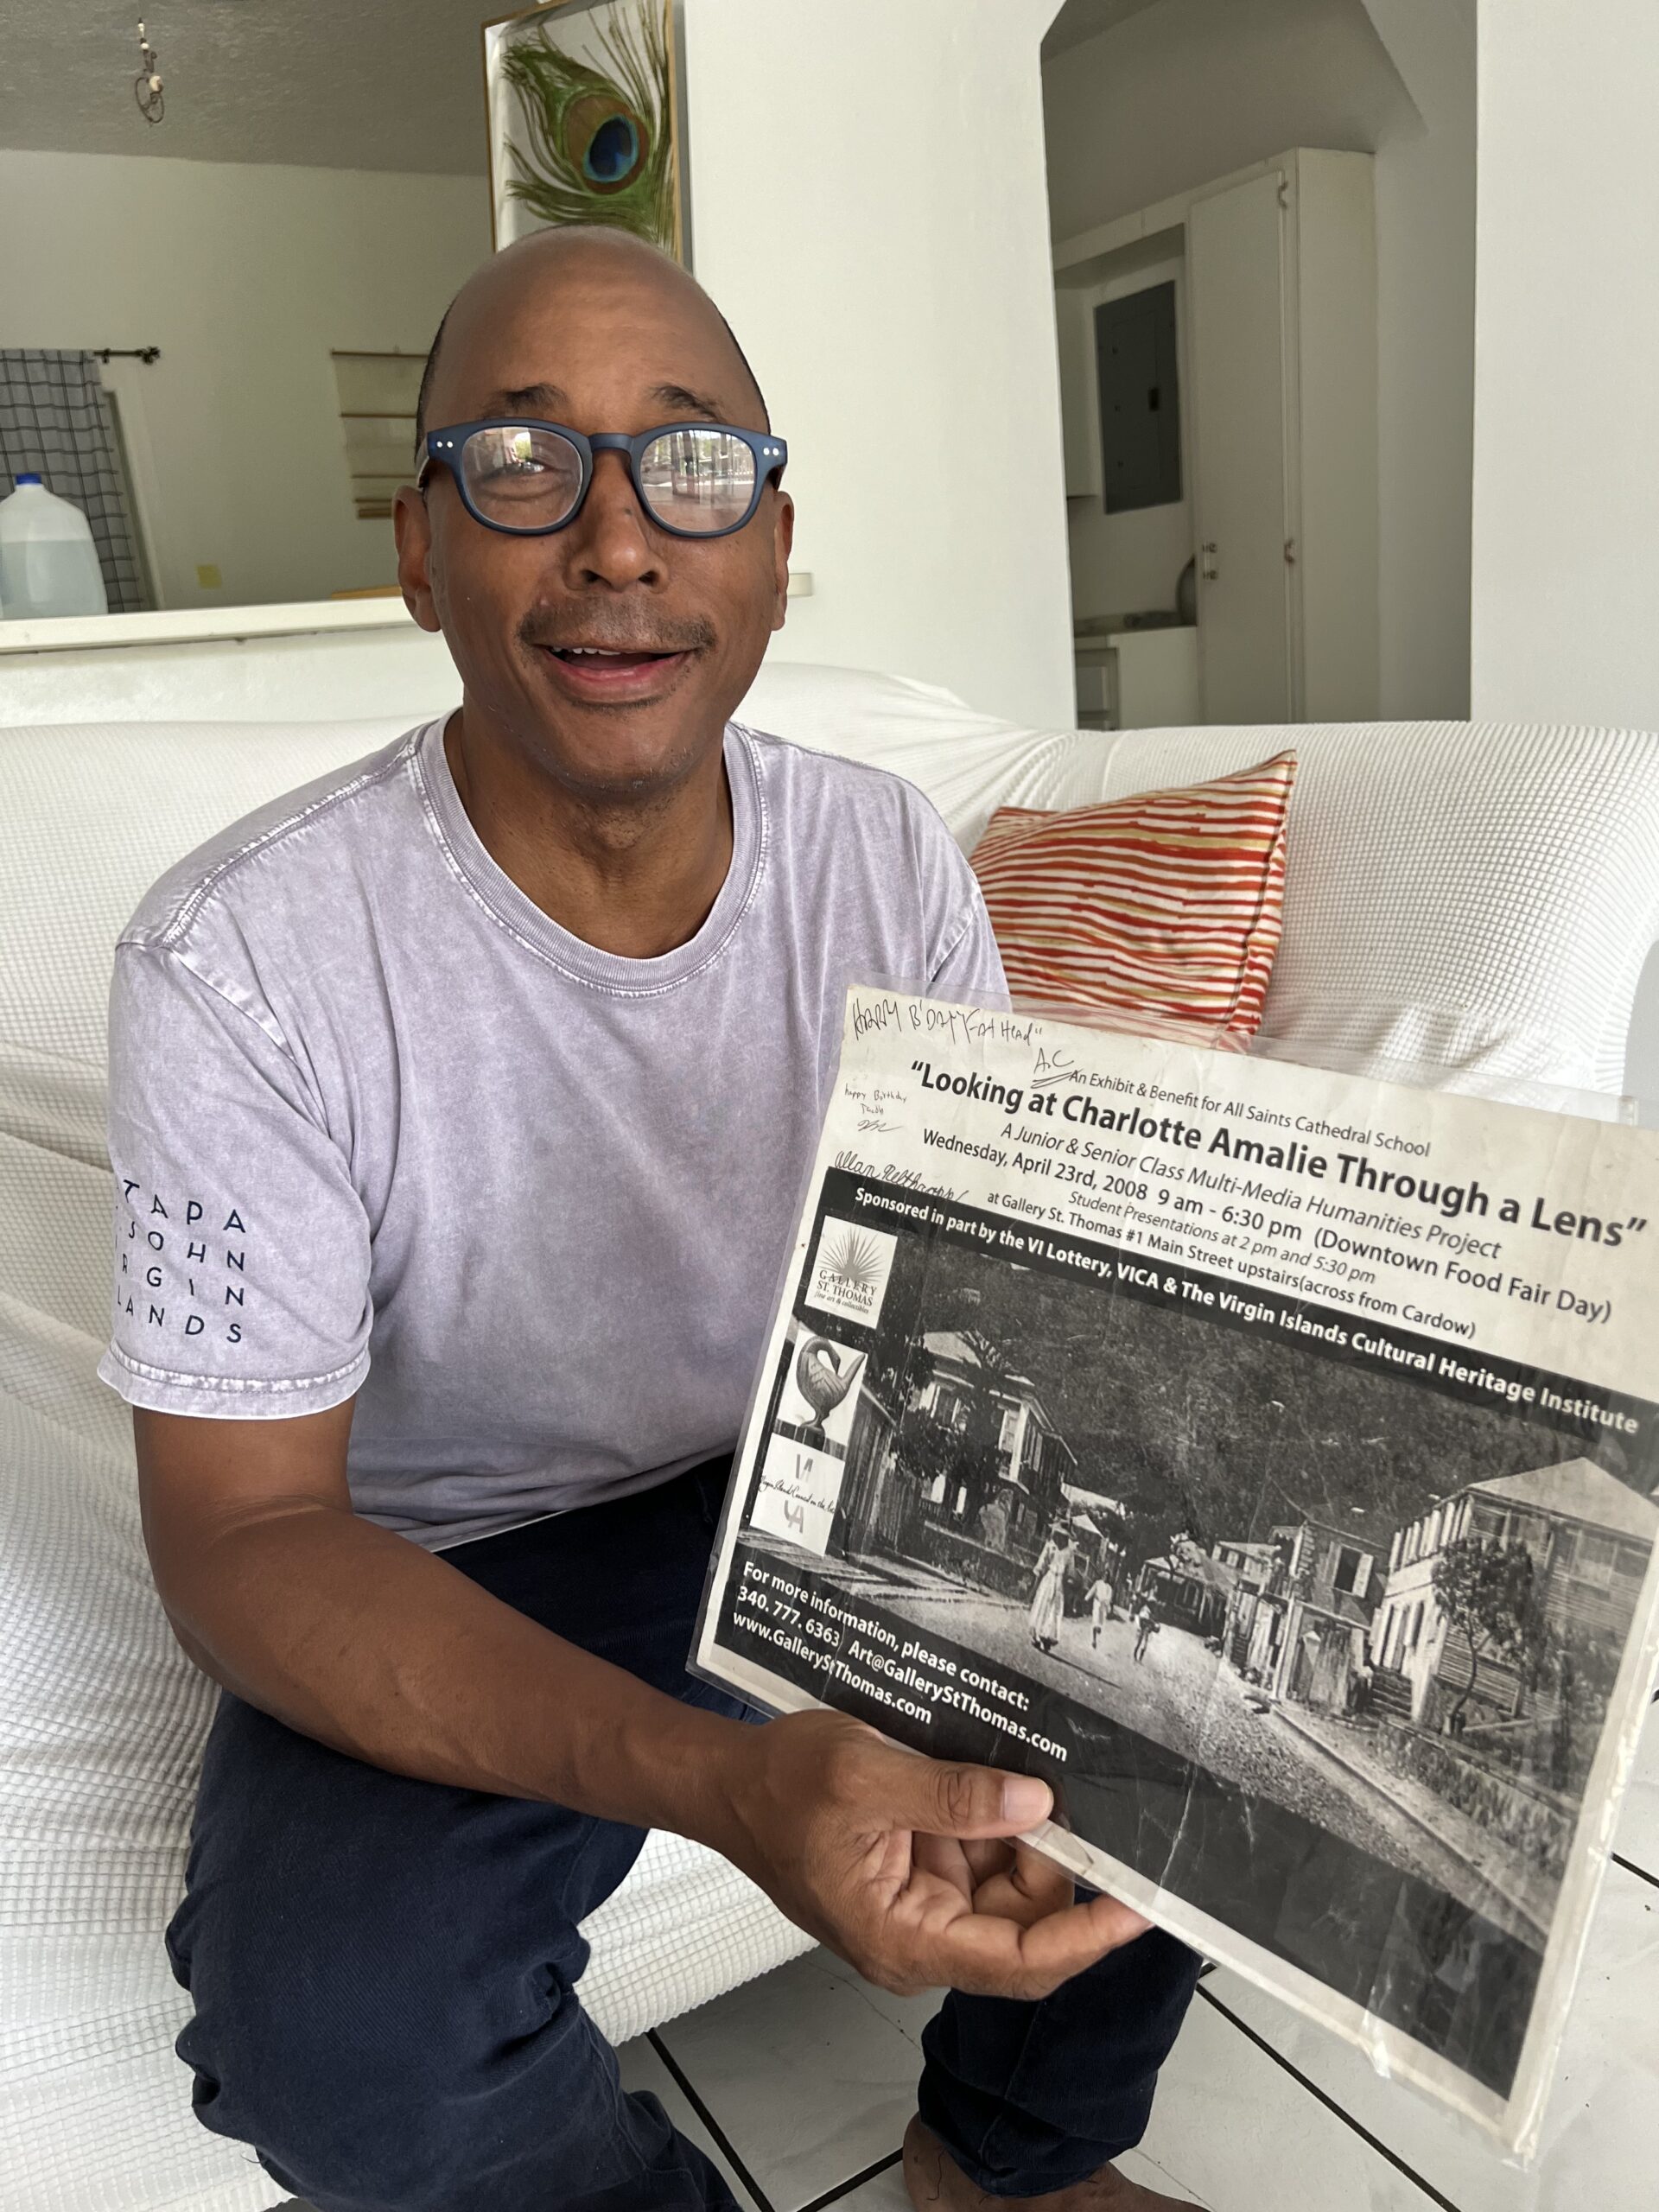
{"points": [[48, 563]]}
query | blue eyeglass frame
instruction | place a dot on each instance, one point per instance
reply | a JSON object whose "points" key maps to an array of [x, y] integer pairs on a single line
{"points": [[443, 448]]}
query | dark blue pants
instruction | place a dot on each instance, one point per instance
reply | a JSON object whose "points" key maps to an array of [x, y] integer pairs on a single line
{"points": [[385, 1971]]}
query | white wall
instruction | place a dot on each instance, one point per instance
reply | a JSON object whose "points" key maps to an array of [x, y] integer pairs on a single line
{"points": [[1566, 338], [1425, 184], [1189, 90], [1565, 570], [867, 207], [246, 276]]}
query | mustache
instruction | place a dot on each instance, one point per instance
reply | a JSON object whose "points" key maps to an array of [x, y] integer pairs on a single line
{"points": [[661, 634]]}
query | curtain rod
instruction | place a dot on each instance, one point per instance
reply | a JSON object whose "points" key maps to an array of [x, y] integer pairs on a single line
{"points": [[145, 353]]}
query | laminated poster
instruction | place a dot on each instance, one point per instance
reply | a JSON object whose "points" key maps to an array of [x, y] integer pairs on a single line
{"points": [[1264, 1456]]}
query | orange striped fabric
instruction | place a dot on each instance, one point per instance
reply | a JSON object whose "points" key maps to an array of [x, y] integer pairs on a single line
{"points": [[1165, 908]]}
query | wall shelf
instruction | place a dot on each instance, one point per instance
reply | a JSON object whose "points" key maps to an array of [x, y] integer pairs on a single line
{"points": [[191, 625]]}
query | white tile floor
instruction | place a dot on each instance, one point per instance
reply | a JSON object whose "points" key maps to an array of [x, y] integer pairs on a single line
{"points": [[806, 2078], [800, 2086], [803, 2081]]}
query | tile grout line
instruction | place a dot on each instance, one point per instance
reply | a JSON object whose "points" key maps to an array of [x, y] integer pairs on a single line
{"points": [[1433, 2195], [853, 2181], [1630, 1867], [721, 2138]]}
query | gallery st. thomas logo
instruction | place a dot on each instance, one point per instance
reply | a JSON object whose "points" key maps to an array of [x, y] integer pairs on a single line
{"points": [[850, 1270]]}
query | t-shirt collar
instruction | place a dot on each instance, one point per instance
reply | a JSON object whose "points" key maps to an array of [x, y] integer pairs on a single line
{"points": [[586, 962]]}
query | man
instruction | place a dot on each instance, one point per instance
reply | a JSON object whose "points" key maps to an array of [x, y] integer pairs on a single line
{"points": [[1145, 1627], [1100, 1607], [461, 1102]]}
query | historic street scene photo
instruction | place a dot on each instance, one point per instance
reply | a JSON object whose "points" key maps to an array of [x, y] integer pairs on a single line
{"points": [[1392, 1612]]}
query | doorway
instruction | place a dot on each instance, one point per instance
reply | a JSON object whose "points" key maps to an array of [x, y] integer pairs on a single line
{"points": [[1295, 201]]}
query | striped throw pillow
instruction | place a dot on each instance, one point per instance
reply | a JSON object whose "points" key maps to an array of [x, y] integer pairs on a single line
{"points": [[1165, 908]]}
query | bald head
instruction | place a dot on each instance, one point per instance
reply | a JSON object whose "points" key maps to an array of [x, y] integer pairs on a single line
{"points": [[593, 329], [563, 259]]}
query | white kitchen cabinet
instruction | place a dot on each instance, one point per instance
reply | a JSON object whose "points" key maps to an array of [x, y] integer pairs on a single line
{"points": [[1281, 335], [1079, 423], [1138, 679]]}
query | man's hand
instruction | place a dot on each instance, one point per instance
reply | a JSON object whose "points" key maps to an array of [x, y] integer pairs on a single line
{"points": [[347, 1632], [902, 1864]]}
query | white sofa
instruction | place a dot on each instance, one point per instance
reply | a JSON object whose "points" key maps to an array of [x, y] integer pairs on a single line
{"points": [[1478, 899]]}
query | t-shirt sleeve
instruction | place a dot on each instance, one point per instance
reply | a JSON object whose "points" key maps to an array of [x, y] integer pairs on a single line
{"points": [[242, 1248], [968, 966]]}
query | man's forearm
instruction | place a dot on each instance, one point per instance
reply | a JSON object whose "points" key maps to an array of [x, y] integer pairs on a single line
{"points": [[359, 1637]]}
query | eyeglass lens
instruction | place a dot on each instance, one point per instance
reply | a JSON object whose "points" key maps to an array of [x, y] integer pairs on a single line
{"points": [[696, 479], [521, 478]]}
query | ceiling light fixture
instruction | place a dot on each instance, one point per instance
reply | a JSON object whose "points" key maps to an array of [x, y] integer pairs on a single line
{"points": [[147, 85]]}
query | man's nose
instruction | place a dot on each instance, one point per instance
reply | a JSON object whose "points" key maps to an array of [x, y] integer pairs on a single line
{"points": [[611, 541]]}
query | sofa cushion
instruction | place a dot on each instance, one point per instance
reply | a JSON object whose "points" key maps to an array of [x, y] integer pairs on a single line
{"points": [[102, 1720], [1465, 901], [1474, 897], [1165, 908], [1480, 892]]}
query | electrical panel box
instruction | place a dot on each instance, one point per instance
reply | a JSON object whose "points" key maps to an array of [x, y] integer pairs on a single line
{"points": [[1140, 399]]}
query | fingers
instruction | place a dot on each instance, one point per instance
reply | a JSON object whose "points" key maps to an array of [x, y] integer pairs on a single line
{"points": [[952, 1862], [992, 1855], [936, 1797], [910, 1864], [995, 1876], [985, 1954], [1026, 1887]]}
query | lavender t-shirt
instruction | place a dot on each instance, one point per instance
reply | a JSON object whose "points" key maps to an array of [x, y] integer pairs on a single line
{"points": [[380, 1126]]}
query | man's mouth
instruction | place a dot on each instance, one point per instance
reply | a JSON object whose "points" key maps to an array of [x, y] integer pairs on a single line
{"points": [[615, 671]]}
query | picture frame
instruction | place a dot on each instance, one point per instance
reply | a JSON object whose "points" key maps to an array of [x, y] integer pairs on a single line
{"points": [[584, 111]]}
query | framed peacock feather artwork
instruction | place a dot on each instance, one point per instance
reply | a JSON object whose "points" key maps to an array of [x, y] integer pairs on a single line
{"points": [[582, 102]]}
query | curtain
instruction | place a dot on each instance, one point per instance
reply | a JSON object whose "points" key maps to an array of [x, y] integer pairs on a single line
{"points": [[55, 419]]}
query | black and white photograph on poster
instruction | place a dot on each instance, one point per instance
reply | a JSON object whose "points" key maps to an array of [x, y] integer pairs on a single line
{"points": [[800, 1484], [1393, 1613], [1328, 1619]]}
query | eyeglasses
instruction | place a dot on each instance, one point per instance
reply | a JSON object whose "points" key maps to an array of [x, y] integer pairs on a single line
{"points": [[694, 480]]}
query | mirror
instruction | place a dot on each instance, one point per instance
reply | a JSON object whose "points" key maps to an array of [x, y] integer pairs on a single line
{"points": [[213, 323], [242, 229]]}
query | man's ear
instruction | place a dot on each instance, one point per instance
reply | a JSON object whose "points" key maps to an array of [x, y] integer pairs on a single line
{"points": [[783, 537], [412, 528]]}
